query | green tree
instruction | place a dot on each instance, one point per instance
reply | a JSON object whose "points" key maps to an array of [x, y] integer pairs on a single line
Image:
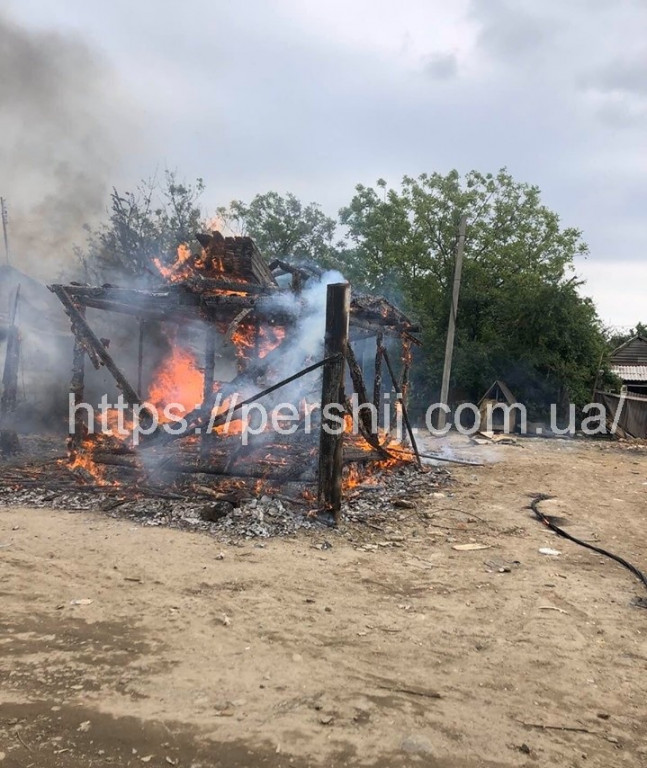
{"points": [[618, 338], [520, 315], [143, 226], [283, 227]]}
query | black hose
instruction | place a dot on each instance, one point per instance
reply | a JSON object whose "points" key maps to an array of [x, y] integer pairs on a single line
{"points": [[534, 505]]}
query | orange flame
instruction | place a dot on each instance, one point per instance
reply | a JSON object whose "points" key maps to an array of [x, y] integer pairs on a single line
{"points": [[180, 267], [271, 337], [177, 380]]}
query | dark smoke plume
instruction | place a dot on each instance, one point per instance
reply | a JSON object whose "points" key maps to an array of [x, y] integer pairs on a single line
{"points": [[61, 119]]}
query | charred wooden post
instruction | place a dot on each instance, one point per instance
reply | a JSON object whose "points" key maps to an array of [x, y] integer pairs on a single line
{"points": [[9, 444], [406, 369], [406, 372], [140, 355], [405, 413], [377, 383], [209, 365], [77, 389], [367, 421], [331, 438]]}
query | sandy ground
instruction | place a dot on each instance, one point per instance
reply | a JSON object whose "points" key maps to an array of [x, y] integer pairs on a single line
{"points": [[364, 646]]}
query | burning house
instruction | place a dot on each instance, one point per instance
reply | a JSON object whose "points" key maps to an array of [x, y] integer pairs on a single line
{"points": [[222, 334]]}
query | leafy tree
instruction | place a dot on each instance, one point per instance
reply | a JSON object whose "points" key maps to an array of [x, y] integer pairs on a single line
{"points": [[616, 339], [283, 227], [520, 316], [143, 225]]}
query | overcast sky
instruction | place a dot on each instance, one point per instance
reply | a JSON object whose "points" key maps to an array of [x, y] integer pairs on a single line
{"points": [[315, 96]]}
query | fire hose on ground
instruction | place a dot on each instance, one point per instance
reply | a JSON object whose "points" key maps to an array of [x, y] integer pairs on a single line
{"points": [[534, 506]]}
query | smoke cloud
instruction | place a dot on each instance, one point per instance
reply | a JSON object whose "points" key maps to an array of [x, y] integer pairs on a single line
{"points": [[61, 122]]}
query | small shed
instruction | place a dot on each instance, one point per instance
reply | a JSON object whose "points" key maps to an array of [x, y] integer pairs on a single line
{"points": [[503, 419], [629, 363]]}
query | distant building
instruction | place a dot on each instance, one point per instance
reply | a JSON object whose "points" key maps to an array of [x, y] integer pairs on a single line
{"points": [[503, 418], [629, 364]]}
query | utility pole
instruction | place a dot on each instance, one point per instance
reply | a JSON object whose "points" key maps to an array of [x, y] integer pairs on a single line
{"points": [[451, 328], [5, 219]]}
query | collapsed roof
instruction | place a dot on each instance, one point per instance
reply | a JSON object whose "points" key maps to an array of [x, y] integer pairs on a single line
{"points": [[227, 278]]}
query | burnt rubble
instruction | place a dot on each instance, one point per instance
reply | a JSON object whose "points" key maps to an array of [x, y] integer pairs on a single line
{"points": [[230, 515]]}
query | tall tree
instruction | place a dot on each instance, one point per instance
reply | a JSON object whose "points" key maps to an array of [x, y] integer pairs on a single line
{"points": [[284, 227], [144, 225], [520, 315]]}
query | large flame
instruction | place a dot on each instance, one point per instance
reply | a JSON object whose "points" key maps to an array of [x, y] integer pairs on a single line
{"points": [[177, 380], [180, 268]]}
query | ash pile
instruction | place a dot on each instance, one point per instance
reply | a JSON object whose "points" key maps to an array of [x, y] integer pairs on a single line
{"points": [[228, 516]]}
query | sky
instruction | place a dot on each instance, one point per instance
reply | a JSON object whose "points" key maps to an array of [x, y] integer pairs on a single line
{"points": [[316, 96]]}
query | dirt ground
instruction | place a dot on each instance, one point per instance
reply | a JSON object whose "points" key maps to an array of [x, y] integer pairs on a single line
{"points": [[377, 646]]}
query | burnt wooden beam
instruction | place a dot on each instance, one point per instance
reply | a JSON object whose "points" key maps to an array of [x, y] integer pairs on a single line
{"points": [[376, 327], [77, 390], [377, 382], [239, 302], [331, 444], [140, 355], [369, 426], [275, 473], [406, 369], [405, 413], [173, 313], [93, 345], [263, 306], [209, 365], [191, 300], [165, 309], [205, 284], [233, 326], [117, 293]]}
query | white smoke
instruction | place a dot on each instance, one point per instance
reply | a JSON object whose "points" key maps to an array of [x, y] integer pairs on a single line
{"points": [[304, 342]]}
